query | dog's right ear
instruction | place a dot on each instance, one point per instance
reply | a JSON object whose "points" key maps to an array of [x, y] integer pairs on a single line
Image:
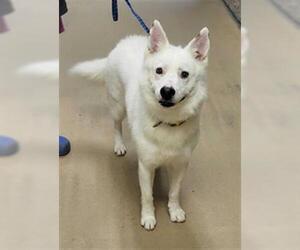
{"points": [[158, 39]]}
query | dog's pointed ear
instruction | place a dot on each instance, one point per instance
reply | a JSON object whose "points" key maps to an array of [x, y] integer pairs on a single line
{"points": [[158, 39], [199, 46]]}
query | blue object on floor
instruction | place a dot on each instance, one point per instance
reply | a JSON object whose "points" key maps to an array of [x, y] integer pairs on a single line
{"points": [[8, 146], [64, 146]]}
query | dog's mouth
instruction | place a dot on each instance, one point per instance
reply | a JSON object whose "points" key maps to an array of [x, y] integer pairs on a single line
{"points": [[168, 104]]}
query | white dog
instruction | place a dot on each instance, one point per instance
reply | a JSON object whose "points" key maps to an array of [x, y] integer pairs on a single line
{"points": [[161, 88]]}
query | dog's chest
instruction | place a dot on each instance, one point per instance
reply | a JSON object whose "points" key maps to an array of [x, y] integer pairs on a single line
{"points": [[164, 145], [165, 135]]}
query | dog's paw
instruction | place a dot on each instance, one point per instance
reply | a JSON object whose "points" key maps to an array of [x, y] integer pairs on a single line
{"points": [[177, 214], [148, 222], [120, 149]]}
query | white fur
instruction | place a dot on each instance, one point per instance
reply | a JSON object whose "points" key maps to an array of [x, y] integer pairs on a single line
{"points": [[91, 69], [45, 69], [134, 89]]}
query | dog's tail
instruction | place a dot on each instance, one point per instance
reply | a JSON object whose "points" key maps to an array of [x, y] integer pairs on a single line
{"points": [[93, 70]]}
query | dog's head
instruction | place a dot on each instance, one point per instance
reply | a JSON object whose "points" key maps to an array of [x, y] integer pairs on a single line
{"points": [[175, 74]]}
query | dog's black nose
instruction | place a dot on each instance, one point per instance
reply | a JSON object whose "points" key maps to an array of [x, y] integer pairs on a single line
{"points": [[167, 93]]}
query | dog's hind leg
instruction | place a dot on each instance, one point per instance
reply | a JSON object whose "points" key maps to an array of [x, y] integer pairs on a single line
{"points": [[118, 113], [119, 148]]}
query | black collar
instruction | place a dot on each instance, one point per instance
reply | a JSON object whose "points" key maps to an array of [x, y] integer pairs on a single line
{"points": [[169, 124]]}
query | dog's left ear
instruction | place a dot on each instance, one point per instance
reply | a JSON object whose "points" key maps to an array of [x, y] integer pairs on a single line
{"points": [[158, 39], [199, 46]]}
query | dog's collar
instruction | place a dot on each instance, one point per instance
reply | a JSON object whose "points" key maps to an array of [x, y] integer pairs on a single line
{"points": [[177, 124]]}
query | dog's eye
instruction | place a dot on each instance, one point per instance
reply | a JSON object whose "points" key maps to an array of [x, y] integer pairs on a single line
{"points": [[184, 74], [159, 70]]}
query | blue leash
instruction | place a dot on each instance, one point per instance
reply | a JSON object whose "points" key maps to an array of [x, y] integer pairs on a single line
{"points": [[139, 19]]}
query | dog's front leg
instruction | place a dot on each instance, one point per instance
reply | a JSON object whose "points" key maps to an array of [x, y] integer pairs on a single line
{"points": [[176, 174], [146, 177]]}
